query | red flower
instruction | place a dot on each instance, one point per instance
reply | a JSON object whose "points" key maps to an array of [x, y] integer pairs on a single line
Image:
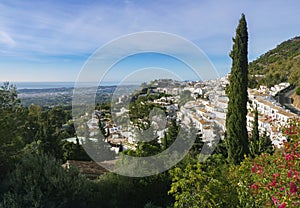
{"points": [[273, 183], [289, 174], [269, 185], [259, 171], [275, 175], [293, 188], [253, 169], [283, 205], [296, 175], [253, 186], [256, 169], [289, 157]]}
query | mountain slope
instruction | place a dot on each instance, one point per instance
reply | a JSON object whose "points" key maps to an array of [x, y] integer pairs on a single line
{"points": [[277, 65]]}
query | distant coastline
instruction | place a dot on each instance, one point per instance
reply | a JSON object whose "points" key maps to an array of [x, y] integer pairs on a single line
{"points": [[54, 85]]}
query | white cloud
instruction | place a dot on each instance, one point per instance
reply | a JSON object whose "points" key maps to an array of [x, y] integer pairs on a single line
{"points": [[6, 39], [31, 29], [71, 28]]}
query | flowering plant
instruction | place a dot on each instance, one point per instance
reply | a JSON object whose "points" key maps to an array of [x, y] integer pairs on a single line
{"points": [[271, 180], [275, 178]]}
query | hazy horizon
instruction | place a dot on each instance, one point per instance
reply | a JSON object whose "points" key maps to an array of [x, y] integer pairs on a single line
{"points": [[52, 40]]}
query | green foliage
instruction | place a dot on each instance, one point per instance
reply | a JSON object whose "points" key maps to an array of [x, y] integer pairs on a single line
{"points": [[32, 126], [11, 128], [141, 106], [236, 131], [254, 140], [265, 181], [150, 205], [240, 177], [278, 65], [171, 134], [50, 126], [259, 144], [113, 190], [40, 181], [73, 151], [298, 91], [272, 180], [265, 144], [203, 185], [8, 97]]}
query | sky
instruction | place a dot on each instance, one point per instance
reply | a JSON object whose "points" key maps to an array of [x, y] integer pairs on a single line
{"points": [[51, 40]]}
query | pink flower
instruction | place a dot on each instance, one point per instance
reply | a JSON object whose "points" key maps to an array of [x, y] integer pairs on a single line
{"points": [[253, 169], [259, 171], [275, 200], [273, 183], [289, 157], [296, 175], [256, 169], [281, 188], [275, 175], [293, 188], [283, 205], [289, 174], [253, 186]]}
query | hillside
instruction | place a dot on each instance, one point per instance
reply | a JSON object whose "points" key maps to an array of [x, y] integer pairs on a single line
{"points": [[277, 65], [296, 100]]}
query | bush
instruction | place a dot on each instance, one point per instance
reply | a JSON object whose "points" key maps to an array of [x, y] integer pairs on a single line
{"points": [[40, 181], [203, 185], [272, 180]]}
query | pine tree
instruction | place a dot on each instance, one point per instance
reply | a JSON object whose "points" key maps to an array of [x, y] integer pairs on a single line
{"points": [[11, 127], [236, 131]]}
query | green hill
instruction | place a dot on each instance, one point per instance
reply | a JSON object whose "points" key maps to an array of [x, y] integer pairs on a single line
{"points": [[277, 65]]}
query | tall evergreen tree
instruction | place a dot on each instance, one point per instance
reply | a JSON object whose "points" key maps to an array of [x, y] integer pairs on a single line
{"points": [[236, 131], [255, 141], [11, 127]]}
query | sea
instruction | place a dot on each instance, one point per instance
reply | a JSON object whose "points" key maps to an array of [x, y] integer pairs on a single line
{"points": [[52, 85]]}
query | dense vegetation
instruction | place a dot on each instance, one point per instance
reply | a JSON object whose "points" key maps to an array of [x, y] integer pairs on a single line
{"points": [[33, 149], [278, 65]]}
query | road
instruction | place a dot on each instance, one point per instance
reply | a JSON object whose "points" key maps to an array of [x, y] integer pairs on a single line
{"points": [[284, 98]]}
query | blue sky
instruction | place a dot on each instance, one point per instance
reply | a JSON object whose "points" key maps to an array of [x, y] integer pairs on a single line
{"points": [[50, 40]]}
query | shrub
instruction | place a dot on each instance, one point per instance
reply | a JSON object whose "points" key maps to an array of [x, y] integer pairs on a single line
{"points": [[273, 180], [40, 181]]}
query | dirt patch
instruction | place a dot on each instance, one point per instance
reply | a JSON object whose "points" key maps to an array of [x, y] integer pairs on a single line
{"points": [[296, 100]]}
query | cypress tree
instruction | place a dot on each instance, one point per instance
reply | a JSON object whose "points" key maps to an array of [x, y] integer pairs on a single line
{"points": [[236, 131], [255, 141]]}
